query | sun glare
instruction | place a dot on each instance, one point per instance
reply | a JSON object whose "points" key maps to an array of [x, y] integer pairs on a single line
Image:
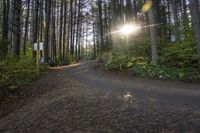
{"points": [[128, 29]]}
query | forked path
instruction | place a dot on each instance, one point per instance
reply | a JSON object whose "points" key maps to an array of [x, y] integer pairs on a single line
{"points": [[86, 98]]}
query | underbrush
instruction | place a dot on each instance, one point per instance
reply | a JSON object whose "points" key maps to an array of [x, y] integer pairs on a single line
{"points": [[148, 69], [143, 67], [18, 72], [178, 61]]}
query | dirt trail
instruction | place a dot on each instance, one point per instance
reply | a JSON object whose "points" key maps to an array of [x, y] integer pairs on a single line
{"points": [[85, 98]]}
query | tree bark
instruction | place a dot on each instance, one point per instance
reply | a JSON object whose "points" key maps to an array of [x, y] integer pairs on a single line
{"points": [[17, 28], [61, 30], [5, 20], [71, 29], [35, 26], [26, 27], [154, 52], [100, 24], [48, 16], [41, 20], [194, 7], [64, 30], [129, 15]]}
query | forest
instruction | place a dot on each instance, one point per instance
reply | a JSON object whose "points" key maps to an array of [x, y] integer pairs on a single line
{"points": [[165, 43], [100, 66]]}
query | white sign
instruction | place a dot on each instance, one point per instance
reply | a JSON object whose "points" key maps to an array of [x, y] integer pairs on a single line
{"points": [[41, 46], [173, 38], [35, 46], [42, 60]]}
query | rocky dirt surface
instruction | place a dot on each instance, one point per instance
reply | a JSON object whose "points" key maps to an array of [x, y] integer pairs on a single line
{"points": [[83, 98]]}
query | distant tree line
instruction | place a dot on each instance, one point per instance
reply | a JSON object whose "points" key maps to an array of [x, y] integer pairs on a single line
{"points": [[56, 23], [65, 26], [173, 17]]}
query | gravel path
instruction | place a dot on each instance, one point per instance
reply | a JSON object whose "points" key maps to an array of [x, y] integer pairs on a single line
{"points": [[84, 98]]}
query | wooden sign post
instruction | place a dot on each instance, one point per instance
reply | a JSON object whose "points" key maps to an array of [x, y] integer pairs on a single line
{"points": [[41, 53], [37, 58]]}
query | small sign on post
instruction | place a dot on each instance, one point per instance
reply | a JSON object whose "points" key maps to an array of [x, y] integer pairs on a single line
{"points": [[41, 46], [35, 46], [41, 53], [173, 38]]}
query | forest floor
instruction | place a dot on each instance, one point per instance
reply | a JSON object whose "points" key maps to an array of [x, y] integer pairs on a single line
{"points": [[86, 98]]}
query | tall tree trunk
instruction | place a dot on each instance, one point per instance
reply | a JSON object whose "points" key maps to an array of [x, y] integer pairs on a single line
{"points": [[5, 20], [48, 16], [169, 18], [100, 24], [11, 25], [41, 20], [154, 52], [71, 29], [26, 27], [80, 36], [17, 28], [106, 25], [194, 7], [78, 29], [129, 15], [75, 24], [116, 19], [7, 15], [185, 16], [158, 15], [64, 29], [135, 9], [94, 40], [61, 30], [68, 31], [35, 26], [53, 43], [176, 19]]}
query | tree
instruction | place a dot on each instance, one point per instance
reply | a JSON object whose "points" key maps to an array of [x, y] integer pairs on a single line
{"points": [[17, 27], [48, 15], [41, 20], [5, 19], [194, 8], [100, 23], [61, 30], [26, 26], [35, 25], [71, 29], [129, 16], [153, 35], [102, 18]]}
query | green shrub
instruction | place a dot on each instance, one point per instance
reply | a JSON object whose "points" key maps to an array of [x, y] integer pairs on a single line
{"points": [[99, 59], [140, 47], [178, 61], [68, 59], [115, 62], [18, 72], [137, 61], [3, 49], [192, 74], [181, 54], [143, 67], [150, 70]]}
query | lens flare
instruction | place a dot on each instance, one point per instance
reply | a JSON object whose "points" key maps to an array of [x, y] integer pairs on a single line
{"points": [[128, 29], [147, 6]]}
